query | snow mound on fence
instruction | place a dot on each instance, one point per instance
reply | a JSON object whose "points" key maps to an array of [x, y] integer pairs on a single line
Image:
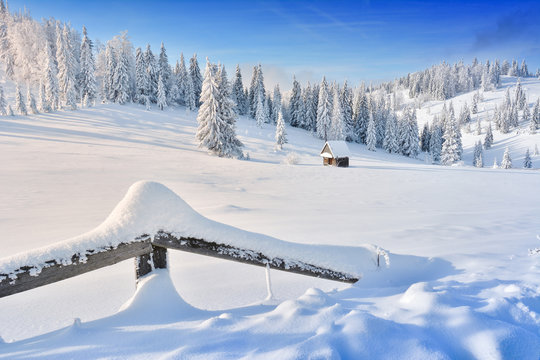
{"points": [[149, 207]]}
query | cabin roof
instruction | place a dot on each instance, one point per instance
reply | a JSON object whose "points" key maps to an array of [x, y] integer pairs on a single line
{"points": [[336, 149]]}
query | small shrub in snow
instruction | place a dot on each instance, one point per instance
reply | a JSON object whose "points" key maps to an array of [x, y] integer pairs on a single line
{"points": [[292, 158], [536, 153]]}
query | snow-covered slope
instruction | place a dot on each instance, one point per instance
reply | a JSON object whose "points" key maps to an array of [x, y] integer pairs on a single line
{"points": [[64, 172]]}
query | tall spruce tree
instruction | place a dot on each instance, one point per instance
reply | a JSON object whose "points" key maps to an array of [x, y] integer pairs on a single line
{"points": [[3, 103], [87, 76], [20, 106], [276, 103], [451, 147], [215, 131], [238, 94], [390, 143], [324, 111], [31, 101], [196, 78], [296, 105], [371, 136], [337, 125], [164, 70], [478, 156], [488, 139], [162, 94]]}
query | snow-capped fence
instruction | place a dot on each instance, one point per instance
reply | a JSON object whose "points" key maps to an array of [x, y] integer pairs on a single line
{"points": [[151, 219]]}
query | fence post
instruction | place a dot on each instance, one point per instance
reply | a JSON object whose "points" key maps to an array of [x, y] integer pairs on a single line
{"points": [[146, 263]]}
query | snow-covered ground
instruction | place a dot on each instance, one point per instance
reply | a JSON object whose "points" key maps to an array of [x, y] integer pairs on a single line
{"points": [[64, 172]]}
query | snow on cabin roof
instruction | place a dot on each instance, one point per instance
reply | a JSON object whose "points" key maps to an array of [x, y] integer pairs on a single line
{"points": [[337, 149]]}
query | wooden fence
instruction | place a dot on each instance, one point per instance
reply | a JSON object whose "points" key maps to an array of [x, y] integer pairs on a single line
{"points": [[150, 252]]}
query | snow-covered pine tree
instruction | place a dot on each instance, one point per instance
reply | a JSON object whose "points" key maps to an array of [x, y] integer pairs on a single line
{"points": [[435, 140], [19, 102], [536, 114], [519, 96], [506, 162], [43, 102], [337, 122], [276, 103], [296, 104], [227, 104], [87, 77], [215, 132], [260, 116], [452, 119], [451, 151], [362, 116], [488, 139], [238, 94], [532, 126], [536, 152], [478, 157], [120, 85], [514, 70], [10, 111], [164, 70], [390, 142], [31, 101], [505, 67], [346, 98], [478, 126], [252, 96], [310, 112], [152, 74], [182, 78], [371, 136], [409, 134], [161, 94], [424, 138], [524, 72], [464, 116], [189, 95], [527, 162], [514, 116], [142, 77], [324, 111], [3, 103], [196, 78], [66, 72], [50, 80], [526, 117], [476, 97], [281, 134]]}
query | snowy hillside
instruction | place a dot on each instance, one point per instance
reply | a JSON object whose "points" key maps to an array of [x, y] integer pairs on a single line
{"points": [[479, 297]]}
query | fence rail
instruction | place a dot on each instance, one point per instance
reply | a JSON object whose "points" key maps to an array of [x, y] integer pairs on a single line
{"points": [[151, 253]]}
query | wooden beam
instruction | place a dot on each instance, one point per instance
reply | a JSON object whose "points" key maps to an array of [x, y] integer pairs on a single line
{"points": [[80, 264], [227, 252], [146, 263]]}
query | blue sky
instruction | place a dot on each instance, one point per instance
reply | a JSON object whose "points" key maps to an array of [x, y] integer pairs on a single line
{"points": [[354, 40]]}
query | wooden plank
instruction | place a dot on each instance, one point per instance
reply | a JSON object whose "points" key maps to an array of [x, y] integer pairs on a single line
{"points": [[92, 260], [227, 252], [146, 263]]}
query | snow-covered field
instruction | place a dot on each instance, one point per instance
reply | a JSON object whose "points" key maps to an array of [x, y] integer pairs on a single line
{"points": [[64, 172]]}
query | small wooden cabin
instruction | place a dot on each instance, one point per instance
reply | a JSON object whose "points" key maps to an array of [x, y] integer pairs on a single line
{"points": [[335, 153]]}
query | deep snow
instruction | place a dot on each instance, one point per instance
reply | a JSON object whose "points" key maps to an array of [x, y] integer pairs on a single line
{"points": [[479, 298]]}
